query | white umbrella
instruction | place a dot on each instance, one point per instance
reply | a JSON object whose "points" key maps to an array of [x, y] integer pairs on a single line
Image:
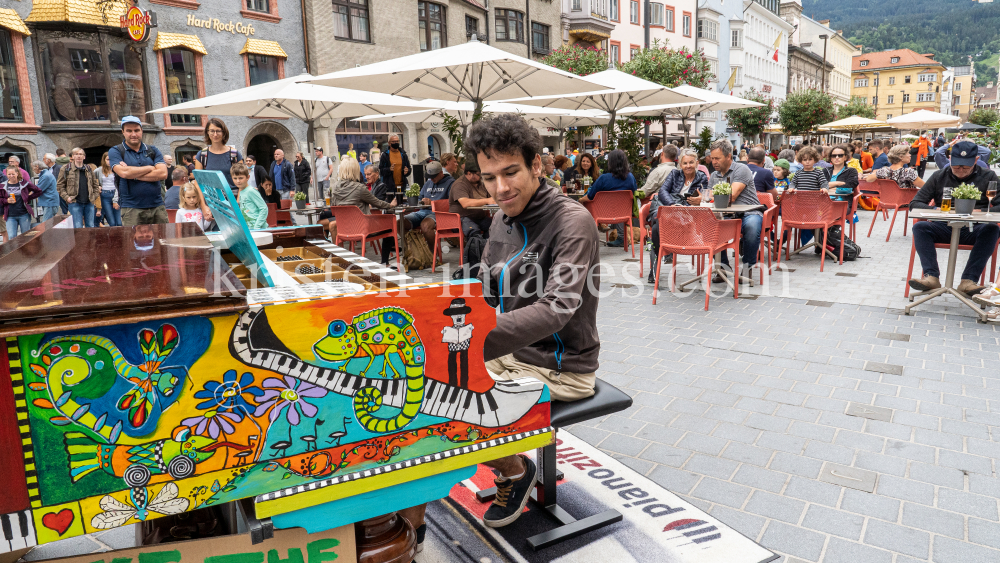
{"points": [[623, 90], [471, 72], [294, 97], [924, 119], [706, 100]]}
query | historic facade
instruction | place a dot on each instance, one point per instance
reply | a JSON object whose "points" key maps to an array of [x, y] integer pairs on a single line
{"points": [[71, 69], [897, 82], [816, 40]]}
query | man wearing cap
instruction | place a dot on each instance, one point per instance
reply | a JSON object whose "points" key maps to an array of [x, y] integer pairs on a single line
{"points": [[458, 336], [139, 169], [324, 168], [437, 187], [982, 237], [941, 155]]}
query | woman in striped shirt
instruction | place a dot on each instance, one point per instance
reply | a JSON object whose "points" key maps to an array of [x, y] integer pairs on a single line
{"points": [[809, 178]]}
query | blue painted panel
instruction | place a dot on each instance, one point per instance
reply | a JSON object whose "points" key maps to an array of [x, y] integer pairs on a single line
{"points": [[232, 225], [376, 503]]}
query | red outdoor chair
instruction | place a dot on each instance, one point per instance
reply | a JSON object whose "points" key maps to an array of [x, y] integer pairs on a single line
{"points": [[938, 246], [286, 204], [612, 208], [354, 226], [768, 228], [891, 196], [811, 210], [645, 231], [449, 225], [695, 231], [172, 215], [272, 215]]}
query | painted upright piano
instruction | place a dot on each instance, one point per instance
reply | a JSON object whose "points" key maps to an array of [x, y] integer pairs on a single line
{"points": [[144, 373]]}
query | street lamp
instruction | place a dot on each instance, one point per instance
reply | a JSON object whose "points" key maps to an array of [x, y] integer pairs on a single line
{"points": [[876, 94], [824, 38], [902, 101]]}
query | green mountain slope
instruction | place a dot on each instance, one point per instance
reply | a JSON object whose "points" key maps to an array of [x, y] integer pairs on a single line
{"points": [[952, 31]]}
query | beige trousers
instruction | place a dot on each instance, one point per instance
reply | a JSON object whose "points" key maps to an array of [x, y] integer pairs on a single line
{"points": [[563, 386]]}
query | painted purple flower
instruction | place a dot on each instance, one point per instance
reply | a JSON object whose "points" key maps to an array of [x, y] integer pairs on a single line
{"points": [[228, 394], [214, 422], [288, 393]]}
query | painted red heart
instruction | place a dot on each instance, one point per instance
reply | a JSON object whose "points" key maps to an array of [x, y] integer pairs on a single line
{"points": [[58, 521]]}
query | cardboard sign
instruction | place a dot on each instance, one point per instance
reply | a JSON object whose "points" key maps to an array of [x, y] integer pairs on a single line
{"points": [[288, 546]]}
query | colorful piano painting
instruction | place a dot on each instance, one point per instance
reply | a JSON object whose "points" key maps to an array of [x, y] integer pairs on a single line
{"points": [[293, 404]]}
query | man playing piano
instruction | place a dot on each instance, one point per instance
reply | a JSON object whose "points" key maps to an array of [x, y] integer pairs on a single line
{"points": [[540, 268]]}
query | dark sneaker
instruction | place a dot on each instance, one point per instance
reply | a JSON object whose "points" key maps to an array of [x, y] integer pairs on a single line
{"points": [[421, 534], [651, 278], [511, 497], [616, 244]]}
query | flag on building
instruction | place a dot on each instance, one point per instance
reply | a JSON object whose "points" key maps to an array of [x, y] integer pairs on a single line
{"points": [[777, 47], [732, 82]]}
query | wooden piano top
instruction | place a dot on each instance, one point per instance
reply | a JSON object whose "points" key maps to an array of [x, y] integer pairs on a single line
{"points": [[55, 271]]}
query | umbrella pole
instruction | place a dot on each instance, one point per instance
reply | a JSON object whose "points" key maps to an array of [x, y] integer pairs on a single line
{"points": [[310, 141]]}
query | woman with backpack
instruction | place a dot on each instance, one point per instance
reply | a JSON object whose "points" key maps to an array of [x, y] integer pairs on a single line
{"points": [[218, 155]]}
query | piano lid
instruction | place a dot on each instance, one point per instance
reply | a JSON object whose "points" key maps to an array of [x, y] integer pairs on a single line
{"points": [[54, 271]]}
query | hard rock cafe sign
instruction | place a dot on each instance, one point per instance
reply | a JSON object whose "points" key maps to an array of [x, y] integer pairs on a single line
{"points": [[137, 22]]}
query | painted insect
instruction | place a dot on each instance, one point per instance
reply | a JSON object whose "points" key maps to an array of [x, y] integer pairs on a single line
{"points": [[136, 464], [80, 370], [385, 332], [117, 513]]}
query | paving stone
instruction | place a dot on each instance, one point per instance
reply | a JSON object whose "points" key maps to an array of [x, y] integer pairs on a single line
{"points": [[812, 431], [966, 503], [721, 492], [760, 478], [674, 480], [909, 450], [938, 439], [765, 422], [813, 491], [933, 520], [793, 540], [888, 429], [881, 464], [736, 433], [782, 442], [898, 539], [947, 550], [836, 522], [747, 524], [666, 455], [775, 506], [796, 465], [937, 475], [859, 441], [983, 532], [841, 551], [711, 465], [870, 505], [906, 489], [830, 452], [965, 462]]}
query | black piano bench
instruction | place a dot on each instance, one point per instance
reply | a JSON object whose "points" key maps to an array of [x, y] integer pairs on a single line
{"points": [[607, 399]]}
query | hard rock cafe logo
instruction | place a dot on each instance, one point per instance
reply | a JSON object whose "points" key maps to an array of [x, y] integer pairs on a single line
{"points": [[136, 22]]}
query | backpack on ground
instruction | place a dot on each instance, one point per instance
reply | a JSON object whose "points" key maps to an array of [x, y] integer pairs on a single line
{"points": [[475, 246], [851, 248], [417, 255]]}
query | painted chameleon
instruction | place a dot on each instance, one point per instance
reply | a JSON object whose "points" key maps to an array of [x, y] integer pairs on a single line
{"points": [[385, 332], [80, 371]]}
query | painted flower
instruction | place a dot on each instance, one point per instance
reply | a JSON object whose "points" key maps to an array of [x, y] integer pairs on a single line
{"points": [[228, 394], [288, 394], [214, 422]]}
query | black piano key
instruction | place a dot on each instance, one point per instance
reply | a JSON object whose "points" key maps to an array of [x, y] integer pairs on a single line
{"points": [[358, 382], [242, 339], [282, 359], [393, 387], [491, 401], [22, 521], [479, 403], [468, 399], [8, 534], [293, 365], [454, 394]]}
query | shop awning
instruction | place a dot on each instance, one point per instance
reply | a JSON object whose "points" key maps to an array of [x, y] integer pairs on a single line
{"points": [[262, 47], [10, 20], [170, 40], [77, 11]]}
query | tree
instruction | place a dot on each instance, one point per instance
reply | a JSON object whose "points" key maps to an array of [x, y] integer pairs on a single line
{"points": [[629, 138], [857, 106], [578, 60], [803, 110], [703, 142], [986, 117], [751, 122]]}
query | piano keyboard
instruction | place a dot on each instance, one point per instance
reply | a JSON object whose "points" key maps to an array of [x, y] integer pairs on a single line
{"points": [[440, 399], [18, 531]]}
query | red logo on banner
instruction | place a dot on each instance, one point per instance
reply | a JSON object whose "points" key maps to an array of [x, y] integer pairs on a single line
{"points": [[136, 23]]}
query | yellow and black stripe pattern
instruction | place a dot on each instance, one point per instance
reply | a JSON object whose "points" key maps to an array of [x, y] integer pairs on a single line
{"points": [[21, 408]]}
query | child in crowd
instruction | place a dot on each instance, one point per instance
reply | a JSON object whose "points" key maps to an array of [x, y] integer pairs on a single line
{"points": [[810, 177], [780, 171], [251, 204], [190, 207]]}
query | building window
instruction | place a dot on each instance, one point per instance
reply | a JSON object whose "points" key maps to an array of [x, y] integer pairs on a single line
{"points": [[875, 82], [540, 38], [860, 82], [433, 28], [263, 68], [737, 42], [931, 77], [958, 100], [633, 51], [577, 5], [894, 60], [958, 86], [259, 6], [633, 12], [925, 97], [471, 26], [892, 80], [713, 67], [509, 25], [615, 14], [906, 98], [668, 18], [350, 20], [874, 100], [708, 30], [656, 14], [75, 77], [11, 108], [888, 116], [892, 99], [864, 63], [906, 79], [180, 77], [687, 25], [954, 112], [615, 52]]}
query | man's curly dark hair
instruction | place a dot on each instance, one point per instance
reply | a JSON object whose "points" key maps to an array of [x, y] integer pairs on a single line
{"points": [[507, 133]]}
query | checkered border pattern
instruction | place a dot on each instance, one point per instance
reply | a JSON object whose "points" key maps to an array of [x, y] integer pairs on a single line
{"points": [[400, 465], [21, 408], [388, 274]]}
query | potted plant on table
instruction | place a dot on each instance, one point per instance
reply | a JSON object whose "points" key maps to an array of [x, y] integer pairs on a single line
{"points": [[413, 194], [965, 197], [722, 193], [300, 200]]}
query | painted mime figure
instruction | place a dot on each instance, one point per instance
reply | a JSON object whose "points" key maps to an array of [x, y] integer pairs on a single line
{"points": [[458, 337]]}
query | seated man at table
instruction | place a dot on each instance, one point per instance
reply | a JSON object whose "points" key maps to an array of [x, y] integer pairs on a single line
{"points": [[941, 155], [469, 191], [763, 178], [539, 267], [438, 186], [982, 237], [737, 175], [875, 146]]}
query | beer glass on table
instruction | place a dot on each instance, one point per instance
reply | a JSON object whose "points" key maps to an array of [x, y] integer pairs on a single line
{"points": [[991, 192], [946, 202]]}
